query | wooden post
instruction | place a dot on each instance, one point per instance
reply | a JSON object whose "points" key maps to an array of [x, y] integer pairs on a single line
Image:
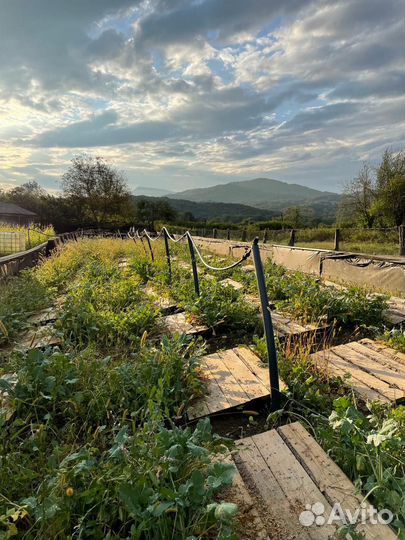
{"points": [[401, 231], [337, 239], [244, 235], [291, 241], [214, 233], [228, 234], [265, 236]]}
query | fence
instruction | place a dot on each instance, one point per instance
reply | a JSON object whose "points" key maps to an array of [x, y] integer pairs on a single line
{"points": [[195, 253], [383, 241]]}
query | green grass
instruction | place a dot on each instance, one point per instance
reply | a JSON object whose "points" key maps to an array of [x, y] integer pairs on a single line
{"points": [[372, 248], [88, 442], [33, 235]]}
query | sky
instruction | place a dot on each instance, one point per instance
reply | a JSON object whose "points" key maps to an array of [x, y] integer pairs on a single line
{"points": [[181, 94]]}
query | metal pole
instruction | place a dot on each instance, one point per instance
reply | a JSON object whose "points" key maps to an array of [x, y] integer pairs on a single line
{"points": [[194, 265], [268, 326], [150, 248], [169, 264]]}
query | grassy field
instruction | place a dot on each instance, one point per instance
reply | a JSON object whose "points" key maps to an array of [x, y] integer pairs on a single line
{"points": [[33, 235], [92, 439], [371, 248]]}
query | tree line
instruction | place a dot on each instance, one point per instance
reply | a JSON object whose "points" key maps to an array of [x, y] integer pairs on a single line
{"points": [[94, 194], [376, 196]]}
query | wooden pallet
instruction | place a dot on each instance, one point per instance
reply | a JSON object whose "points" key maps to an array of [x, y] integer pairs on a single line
{"points": [[178, 324], [166, 305], [228, 282], [235, 377], [286, 472], [376, 372], [44, 316], [39, 338], [288, 330]]}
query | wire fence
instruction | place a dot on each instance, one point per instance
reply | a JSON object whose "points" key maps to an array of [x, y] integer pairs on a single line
{"points": [[379, 241]]}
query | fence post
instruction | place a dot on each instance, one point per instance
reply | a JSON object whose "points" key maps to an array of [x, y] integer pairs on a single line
{"points": [[337, 240], [193, 265], [265, 236], [150, 248], [228, 234], [268, 326], [291, 241], [214, 233], [169, 263], [401, 232], [244, 235]]}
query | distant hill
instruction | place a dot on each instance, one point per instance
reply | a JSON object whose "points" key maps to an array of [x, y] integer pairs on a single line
{"points": [[151, 192], [259, 192], [234, 213]]}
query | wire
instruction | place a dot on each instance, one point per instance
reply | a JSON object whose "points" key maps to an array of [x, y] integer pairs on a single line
{"points": [[216, 268]]}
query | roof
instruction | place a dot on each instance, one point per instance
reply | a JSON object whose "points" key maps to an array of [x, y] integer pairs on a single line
{"points": [[10, 209]]}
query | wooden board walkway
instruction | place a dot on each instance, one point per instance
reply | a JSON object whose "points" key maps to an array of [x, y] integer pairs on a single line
{"points": [[294, 483], [166, 305], [376, 372], [178, 324], [235, 377], [44, 316], [228, 282]]}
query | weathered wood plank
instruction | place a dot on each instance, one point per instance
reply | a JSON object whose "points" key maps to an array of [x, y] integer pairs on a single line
{"points": [[379, 347], [261, 482], [231, 283], [380, 358], [44, 316], [335, 366], [178, 324], [329, 478], [350, 354], [234, 378]]}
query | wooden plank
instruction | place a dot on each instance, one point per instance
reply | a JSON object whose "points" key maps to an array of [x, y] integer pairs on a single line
{"points": [[370, 379], [234, 379], [254, 363], [375, 346], [44, 316], [382, 359], [252, 524], [329, 478], [296, 486], [247, 268], [350, 354], [251, 384], [45, 336], [178, 323], [231, 283], [261, 482], [165, 304], [229, 384], [215, 399], [334, 365]]}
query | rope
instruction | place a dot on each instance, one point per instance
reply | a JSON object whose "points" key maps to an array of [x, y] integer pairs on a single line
{"points": [[216, 268]]}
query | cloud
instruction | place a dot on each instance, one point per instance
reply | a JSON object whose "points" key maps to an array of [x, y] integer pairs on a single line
{"points": [[223, 89]]}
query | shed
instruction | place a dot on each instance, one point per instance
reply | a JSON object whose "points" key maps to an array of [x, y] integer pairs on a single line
{"points": [[16, 215]]}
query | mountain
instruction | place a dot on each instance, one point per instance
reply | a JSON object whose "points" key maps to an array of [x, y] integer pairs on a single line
{"points": [[260, 192], [151, 192], [234, 213]]}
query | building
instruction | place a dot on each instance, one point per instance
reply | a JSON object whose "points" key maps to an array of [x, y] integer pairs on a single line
{"points": [[15, 215]]}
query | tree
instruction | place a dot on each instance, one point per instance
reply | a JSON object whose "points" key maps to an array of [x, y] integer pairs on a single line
{"points": [[99, 189], [292, 215], [390, 188], [148, 210], [359, 198]]}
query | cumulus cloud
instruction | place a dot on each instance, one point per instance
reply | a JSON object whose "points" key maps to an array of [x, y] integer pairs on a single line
{"points": [[225, 89]]}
